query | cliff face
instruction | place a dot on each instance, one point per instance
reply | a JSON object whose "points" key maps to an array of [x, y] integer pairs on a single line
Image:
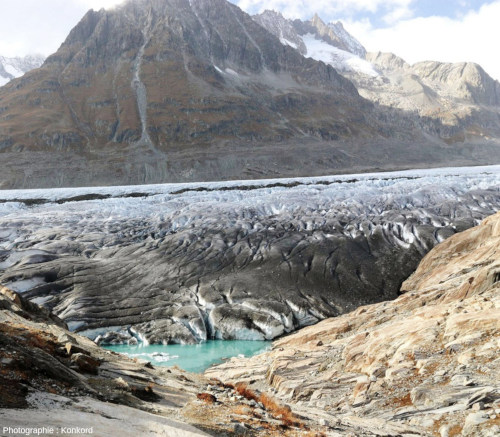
{"points": [[457, 101], [425, 363]]}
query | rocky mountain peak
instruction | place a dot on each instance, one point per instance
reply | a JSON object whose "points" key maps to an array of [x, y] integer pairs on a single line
{"points": [[466, 80], [279, 26], [335, 34], [387, 61], [352, 44], [10, 68], [152, 75]]}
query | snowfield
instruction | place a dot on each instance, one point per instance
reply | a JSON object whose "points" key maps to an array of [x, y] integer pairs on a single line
{"points": [[337, 58]]}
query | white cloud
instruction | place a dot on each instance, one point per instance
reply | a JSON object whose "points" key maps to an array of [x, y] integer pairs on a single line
{"points": [[397, 14], [35, 26], [472, 37], [98, 4], [325, 8]]}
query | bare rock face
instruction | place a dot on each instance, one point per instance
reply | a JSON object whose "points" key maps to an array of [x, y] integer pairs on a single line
{"points": [[387, 61], [458, 102], [284, 29], [338, 36], [425, 363], [465, 81], [468, 81], [136, 87]]}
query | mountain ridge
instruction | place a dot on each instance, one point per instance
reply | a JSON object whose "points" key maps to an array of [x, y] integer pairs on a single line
{"points": [[171, 90]]}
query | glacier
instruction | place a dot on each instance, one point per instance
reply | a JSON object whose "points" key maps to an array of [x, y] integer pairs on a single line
{"points": [[183, 263], [340, 59]]}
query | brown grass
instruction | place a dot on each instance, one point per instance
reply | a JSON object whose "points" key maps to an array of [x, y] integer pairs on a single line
{"points": [[206, 397], [242, 410], [281, 412], [453, 431], [242, 389], [404, 401]]}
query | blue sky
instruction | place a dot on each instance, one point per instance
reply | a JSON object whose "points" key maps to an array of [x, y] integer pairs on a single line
{"points": [[416, 30], [420, 8], [374, 10]]}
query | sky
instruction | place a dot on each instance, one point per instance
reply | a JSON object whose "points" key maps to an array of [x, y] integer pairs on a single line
{"points": [[416, 30]]}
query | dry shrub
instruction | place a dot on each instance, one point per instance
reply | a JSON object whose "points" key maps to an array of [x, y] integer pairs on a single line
{"points": [[404, 401], [206, 397], [281, 412], [243, 390], [269, 403]]}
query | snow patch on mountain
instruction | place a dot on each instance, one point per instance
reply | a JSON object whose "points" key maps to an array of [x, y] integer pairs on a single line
{"points": [[10, 68], [285, 42], [337, 58], [330, 43]]}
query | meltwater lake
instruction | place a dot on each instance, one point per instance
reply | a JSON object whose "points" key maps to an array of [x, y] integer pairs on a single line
{"points": [[192, 357]]}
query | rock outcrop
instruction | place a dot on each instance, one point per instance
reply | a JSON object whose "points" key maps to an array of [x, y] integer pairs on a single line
{"points": [[463, 83], [426, 363], [458, 102]]}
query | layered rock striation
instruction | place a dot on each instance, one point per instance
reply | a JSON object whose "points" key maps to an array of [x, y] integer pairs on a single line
{"points": [[426, 363]]}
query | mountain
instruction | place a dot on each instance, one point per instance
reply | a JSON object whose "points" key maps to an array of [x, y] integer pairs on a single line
{"points": [[423, 364], [178, 90], [436, 89], [11, 68], [459, 102], [329, 43]]}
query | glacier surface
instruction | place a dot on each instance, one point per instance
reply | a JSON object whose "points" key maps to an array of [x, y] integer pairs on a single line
{"points": [[181, 263]]}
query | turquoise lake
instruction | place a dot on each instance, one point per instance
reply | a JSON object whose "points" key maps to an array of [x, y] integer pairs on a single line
{"points": [[193, 357]]}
